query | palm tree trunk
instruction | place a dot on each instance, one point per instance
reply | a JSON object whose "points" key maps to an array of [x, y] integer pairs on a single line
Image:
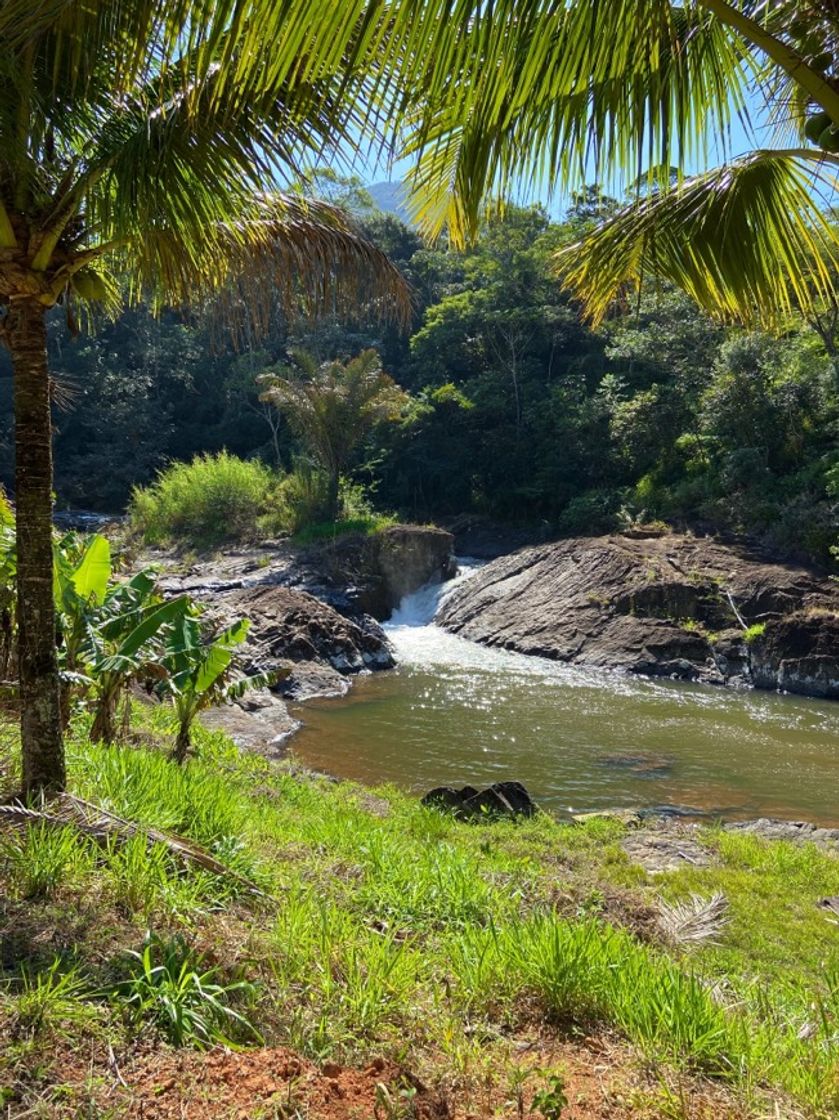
{"points": [[332, 492], [40, 721]]}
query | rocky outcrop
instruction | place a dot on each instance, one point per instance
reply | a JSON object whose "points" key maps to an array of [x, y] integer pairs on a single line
{"points": [[292, 626], [670, 605], [380, 570], [799, 653]]}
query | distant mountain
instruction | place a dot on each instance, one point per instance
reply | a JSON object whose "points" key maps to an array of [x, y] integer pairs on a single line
{"points": [[391, 198]]}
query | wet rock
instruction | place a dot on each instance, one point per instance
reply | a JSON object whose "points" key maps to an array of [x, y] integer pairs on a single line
{"points": [[799, 653], [731, 656], [656, 606], [293, 626], [383, 568], [502, 799], [641, 765]]}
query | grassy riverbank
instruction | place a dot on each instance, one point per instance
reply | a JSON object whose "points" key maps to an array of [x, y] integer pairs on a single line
{"points": [[497, 963]]}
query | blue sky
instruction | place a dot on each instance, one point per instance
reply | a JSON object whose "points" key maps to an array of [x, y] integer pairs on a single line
{"points": [[741, 140]]}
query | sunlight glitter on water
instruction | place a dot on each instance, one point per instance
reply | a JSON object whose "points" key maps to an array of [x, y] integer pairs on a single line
{"points": [[454, 712]]}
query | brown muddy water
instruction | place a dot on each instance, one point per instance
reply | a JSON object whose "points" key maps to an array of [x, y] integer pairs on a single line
{"points": [[454, 712]]}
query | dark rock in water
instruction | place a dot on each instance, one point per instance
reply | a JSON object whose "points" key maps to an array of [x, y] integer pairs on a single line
{"points": [[799, 653], [671, 811], [641, 765], [503, 799]]}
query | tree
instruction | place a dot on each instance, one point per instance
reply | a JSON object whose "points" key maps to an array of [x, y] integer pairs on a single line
{"points": [[749, 240], [333, 406], [148, 141]]}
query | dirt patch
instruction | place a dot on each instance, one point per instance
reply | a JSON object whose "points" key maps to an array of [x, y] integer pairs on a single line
{"points": [[600, 1079], [665, 850]]}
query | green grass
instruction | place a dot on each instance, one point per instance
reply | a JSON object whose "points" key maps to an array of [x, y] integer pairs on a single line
{"points": [[401, 932], [213, 499], [328, 530], [752, 633]]}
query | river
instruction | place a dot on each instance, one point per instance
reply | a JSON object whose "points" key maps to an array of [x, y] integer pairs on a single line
{"points": [[454, 712]]}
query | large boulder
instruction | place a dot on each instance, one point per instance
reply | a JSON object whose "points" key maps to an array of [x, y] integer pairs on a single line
{"points": [[292, 626], [381, 569], [670, 605]]}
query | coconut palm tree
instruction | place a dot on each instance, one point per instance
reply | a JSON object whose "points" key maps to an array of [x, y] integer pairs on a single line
{"points": [[142, 147], [625, 90]]}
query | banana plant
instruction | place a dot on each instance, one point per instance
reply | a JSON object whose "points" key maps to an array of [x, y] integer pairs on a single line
{"points": [[93, 611], [199, 666], [125, 647]]}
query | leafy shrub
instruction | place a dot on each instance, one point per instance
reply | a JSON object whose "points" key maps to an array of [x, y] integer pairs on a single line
{"points": [[302, 497], [594, 511], [213, 499], [189, 1007], [7, 514]]}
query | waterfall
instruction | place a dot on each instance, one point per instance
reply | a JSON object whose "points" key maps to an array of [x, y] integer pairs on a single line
{"points": [[411, 628]]}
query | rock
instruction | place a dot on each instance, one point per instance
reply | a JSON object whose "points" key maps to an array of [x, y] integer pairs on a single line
{"points": [[516, 796], [293, 626], [383, 568], [490, 802], [444, 797], [502, 799], [660, 606], [628, 817], [259, 723], [641, 765], [659, 851], [799, 653], [796, 832]]}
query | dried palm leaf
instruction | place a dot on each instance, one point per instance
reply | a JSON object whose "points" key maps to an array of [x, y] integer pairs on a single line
{"points": [[697, 920], [68, 811]]}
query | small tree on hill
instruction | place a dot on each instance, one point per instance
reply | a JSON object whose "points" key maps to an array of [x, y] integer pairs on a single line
{"points": [[333, 406]]}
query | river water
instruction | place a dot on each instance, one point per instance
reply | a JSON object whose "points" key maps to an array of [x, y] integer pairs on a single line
{"points": [[454, 712]]}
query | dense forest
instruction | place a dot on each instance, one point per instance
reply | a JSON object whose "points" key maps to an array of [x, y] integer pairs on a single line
{"points": [[517, 411]]}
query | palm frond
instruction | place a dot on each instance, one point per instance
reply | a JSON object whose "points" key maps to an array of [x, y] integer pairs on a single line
{"points": [[68, 811], [748, 241], [273, 251], [573, 93], [695, 921]]}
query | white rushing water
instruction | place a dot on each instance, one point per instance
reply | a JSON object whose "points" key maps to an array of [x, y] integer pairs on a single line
{"points": [[416, 638]]}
